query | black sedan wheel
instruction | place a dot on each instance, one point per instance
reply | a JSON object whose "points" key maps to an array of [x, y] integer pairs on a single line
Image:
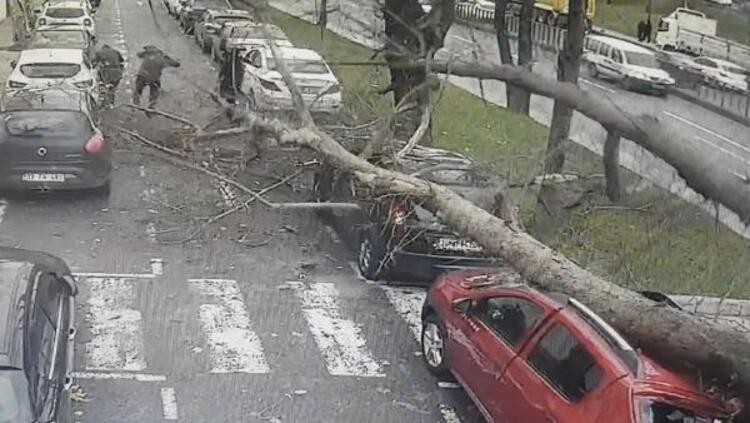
{"points": [[372, 254], [433, 346]]}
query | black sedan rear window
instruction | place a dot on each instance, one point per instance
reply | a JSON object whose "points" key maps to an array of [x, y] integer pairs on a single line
{"points": [[65, 12], [50, 70], [36, 123]]}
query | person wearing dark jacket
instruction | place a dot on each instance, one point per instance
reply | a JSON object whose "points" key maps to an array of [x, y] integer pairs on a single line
{"points": [[153, 62], [110, 64], [231, 74]]}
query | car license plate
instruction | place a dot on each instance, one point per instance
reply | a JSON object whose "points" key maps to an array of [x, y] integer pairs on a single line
{"points": [[43, 177], [462, 245]]}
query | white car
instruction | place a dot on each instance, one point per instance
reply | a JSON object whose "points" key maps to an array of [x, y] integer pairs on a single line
{"points": [[78, 13], [633, 66], [265, 89], [721, 73], [44, 68]]}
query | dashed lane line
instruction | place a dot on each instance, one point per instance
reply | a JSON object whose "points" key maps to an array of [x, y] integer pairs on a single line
{"points": [[3, 206], [138, 377], [169, 403], [706, 130]]}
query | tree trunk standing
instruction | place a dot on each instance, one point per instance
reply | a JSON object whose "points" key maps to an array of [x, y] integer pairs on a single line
{"points": [[20, 18], [411, 35], [612, 166], [525, 50], [550, 214], [513, 94], [323, 17]]}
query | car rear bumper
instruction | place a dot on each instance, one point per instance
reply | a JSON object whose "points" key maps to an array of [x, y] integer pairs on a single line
{"points": [[423, 268], [77, 177]]}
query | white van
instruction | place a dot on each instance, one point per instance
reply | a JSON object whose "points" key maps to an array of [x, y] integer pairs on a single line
{"points": [[633, 66]]}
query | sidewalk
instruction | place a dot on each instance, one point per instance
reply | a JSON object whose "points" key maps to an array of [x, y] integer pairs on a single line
{"points": [[6, 39]]}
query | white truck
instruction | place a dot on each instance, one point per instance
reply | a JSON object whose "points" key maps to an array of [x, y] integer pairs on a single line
{"points": [[690, 31]]}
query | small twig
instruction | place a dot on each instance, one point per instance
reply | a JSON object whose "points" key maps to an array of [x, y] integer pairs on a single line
{"points": [[255, 244], [643, 208], [150, 143], [165, 114]]}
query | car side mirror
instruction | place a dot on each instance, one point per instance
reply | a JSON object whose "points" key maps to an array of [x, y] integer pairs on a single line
{"points": [[461, 306], [71, 283]]}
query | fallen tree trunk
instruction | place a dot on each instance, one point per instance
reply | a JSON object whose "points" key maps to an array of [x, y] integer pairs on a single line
{"points": [[677, 338], [713, 182]]}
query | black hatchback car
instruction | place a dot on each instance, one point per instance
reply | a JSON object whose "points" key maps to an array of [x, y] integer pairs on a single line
{"points": [[49, 140], [37, 309], [397, 237]]}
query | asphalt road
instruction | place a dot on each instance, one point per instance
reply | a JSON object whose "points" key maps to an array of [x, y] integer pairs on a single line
{"points": [[277, 329]]}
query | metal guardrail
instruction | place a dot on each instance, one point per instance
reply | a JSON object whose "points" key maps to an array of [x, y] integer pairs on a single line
{"points": [[543, 35]]}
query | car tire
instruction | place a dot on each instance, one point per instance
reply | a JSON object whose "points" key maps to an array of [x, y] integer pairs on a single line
{"points": [[372, 254], [432, 343]]}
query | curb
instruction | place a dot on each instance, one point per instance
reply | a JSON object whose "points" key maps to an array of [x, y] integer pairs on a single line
{"points": [[710, 106]]}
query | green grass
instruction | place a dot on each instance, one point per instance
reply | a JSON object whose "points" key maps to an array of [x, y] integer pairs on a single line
{"points": [[623, 16], [670, 247]]}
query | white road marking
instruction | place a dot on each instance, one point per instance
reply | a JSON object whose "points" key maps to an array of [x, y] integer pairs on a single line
{"points": [[151, 231], [169, 403], [449, 414], [114, 275], [116, 336], [594, 84], [706, 130], [157, 266], [339, 340], [448, 385], [235, 348], [722, 149], [408, 303], [3, 206], [139, 377]]}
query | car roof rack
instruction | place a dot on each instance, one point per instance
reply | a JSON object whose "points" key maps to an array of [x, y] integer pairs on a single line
{"points": [[621, 347]]}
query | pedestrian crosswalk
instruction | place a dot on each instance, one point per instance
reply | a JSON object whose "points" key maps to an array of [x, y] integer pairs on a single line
{"points": [[115, 329]]}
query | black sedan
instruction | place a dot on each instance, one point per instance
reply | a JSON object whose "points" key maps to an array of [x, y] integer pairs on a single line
{"points": [[49, 141], [397, 238], [37, 306]]}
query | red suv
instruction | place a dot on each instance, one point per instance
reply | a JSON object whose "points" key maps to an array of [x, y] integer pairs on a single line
{"points": [[524, 356]]}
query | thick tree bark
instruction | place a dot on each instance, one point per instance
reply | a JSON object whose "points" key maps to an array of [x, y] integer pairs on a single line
{"points": [[518, 98], [525, 50], [612, 166]]}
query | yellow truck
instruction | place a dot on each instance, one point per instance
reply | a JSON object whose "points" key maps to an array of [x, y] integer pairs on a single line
{"points": [[550, 12]]}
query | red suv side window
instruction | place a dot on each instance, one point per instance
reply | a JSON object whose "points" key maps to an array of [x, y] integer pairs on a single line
{"points": [[560, 358], [509, 317]]}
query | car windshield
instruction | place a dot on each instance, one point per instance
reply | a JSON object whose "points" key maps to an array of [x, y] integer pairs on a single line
{"points": [[15, 406], [300, 66], [65, 12], [50, 70], [642, 59], [61, 39], [37, 123], [258, 32]]}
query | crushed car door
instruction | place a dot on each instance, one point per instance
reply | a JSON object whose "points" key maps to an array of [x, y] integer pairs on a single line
{"points": [[506, 323]]}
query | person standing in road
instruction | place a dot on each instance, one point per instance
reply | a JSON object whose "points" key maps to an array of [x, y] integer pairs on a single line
{"points": [[153, 62], [110, 64], [648, 29], [641, 30]]}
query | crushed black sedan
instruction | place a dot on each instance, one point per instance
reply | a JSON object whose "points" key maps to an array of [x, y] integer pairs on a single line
{"points": [[37, 332], [49, 140], [396, 237]]}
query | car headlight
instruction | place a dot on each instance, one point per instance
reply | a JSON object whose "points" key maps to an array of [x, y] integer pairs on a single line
{"points": [[16, 84], [88, 83]]}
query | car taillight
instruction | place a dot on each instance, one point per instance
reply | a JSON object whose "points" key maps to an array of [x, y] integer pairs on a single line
{"points": [[269, 85], [88, 83], [95, 145], [87, 22], [42, 21], [16, 84]]}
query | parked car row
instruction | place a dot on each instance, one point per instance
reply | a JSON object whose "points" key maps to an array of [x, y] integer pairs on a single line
{"points": [[50, 138], [220, 30]]}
